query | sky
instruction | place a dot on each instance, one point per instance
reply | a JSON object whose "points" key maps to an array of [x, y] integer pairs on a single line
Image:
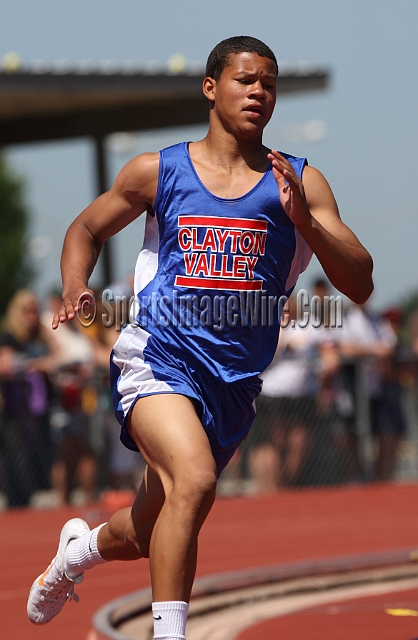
{"points": [[361, 133]]}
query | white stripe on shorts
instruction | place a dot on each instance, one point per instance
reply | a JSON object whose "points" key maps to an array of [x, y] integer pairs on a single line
{"points": [[136, 376]]}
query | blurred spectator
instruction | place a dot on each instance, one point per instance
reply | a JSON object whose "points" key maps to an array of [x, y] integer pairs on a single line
{"points": [[75, 402], [321, 291], [26, 357], [368, 345], [71, 347], [326, 308], [287, 421], [123, 469], [88, 453], [390, 425]]}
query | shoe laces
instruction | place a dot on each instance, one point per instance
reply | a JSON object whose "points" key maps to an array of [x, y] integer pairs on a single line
{"points": [[71, 593], [57, 592]]}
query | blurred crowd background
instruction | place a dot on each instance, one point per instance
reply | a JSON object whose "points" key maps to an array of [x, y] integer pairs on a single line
{"points": [[59, 440], [339, 403]]}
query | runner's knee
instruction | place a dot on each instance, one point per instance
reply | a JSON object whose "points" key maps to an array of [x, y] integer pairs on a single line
{"points": [[194, 490]]}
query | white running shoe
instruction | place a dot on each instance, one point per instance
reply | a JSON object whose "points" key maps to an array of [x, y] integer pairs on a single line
{"points": [[51, 589]]}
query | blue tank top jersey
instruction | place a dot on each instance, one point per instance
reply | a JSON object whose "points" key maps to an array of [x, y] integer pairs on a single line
{"points": [[211, 277]]}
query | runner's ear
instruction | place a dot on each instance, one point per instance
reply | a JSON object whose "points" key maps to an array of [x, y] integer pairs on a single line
{"points": [[209, 88]]}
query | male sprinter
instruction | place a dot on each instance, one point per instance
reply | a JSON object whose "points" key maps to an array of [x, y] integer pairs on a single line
{"points": [[229, 222]]}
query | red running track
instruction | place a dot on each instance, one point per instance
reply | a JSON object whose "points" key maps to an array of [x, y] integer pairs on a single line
{"points": [[239, 533], [383, 617]]}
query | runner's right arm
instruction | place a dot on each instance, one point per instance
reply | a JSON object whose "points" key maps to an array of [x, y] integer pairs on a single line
{"points": [[132, 193]]}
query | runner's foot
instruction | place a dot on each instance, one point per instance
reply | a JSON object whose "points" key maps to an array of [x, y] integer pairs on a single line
{"points": [[51, 589]]}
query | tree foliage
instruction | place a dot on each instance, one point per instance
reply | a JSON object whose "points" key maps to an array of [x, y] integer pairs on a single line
{"points": [[14, 219], [410, 303]]}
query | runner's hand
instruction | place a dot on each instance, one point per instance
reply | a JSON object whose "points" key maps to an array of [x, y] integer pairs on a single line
{"points": [[291, 191], [73, 301]]}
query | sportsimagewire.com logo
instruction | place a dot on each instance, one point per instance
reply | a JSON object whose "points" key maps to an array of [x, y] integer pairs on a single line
{"points": [[216, 311]]}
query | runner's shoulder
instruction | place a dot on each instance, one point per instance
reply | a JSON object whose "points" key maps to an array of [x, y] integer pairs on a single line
{"points": [[139, 172], [145, 163]]}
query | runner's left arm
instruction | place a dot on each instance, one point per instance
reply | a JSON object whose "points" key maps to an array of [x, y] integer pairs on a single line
{"points": [[311, 206]]}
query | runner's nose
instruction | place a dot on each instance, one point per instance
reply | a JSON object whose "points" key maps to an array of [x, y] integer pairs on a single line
{"points": [[257, 89]]}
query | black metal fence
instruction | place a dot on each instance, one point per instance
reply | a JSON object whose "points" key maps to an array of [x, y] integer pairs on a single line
{"points": [[339, 435], [69, 454]]}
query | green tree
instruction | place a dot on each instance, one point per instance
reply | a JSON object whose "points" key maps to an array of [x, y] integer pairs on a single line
{"points": [[410, 303], [14, 218]]}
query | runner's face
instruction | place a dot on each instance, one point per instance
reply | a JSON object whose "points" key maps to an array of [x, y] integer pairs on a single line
{"points": [[245, 94]]}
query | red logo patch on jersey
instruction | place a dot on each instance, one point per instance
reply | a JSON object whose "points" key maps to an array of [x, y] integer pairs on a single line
{"points": [[221, 253]]}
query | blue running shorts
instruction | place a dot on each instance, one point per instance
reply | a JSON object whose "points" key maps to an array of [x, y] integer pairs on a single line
{"points": [[140, 366]]}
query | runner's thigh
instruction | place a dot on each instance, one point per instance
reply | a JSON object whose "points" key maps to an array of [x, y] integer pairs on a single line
{"points": [[170, 436]]}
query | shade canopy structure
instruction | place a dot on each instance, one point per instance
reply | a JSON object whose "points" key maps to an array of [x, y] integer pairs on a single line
{"points": [[55, 105], [45, 104]]}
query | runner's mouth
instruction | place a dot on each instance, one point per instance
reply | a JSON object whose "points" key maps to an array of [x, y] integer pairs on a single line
{"points": [[254, 109]]}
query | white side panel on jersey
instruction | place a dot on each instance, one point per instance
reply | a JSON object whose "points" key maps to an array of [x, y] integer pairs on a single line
{"points": [[147, 262], [301, 259]]}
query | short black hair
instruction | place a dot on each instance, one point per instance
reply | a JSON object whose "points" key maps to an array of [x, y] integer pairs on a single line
{"points": [[219, 56]]}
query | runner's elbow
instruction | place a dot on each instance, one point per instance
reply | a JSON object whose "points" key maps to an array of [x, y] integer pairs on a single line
{"points": [[362, 287], [362, 293]]}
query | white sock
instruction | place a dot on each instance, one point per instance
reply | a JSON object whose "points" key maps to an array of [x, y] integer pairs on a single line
{"points": [[170, 620], [82, 554]]}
